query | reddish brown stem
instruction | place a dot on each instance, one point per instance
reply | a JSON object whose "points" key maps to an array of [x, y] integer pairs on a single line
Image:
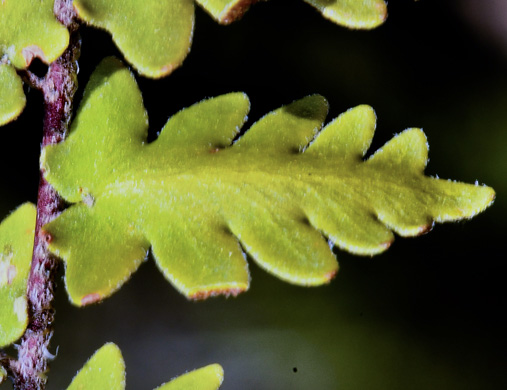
{"points": [[58, 88]]}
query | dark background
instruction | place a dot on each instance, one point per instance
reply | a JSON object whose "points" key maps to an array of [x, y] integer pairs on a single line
{"points": [[426, 314]]}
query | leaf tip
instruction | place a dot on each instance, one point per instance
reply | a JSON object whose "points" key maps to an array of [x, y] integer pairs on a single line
{"points": [[386, 245], [492, 196], [330, 275], [235, 12], [487, 199], [354, 15], [201, 295], [90, 298], [163, 71], [381, 8], [424, 229]]}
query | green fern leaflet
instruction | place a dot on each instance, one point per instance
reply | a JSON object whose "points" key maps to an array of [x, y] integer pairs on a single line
{"points": [[199, 200], [16, 246]]}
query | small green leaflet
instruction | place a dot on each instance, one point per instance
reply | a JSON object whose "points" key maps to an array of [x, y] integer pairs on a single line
{"points": [[360, 14], [199, 201], [153, 35], [12, 97], [106, 371], [16, 246]]}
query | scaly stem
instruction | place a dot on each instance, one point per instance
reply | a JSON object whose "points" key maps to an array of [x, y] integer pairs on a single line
{"points": [[58, 88]]}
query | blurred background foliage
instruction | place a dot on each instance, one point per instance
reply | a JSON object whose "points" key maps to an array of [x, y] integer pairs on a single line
{"points": [[428, 313]]}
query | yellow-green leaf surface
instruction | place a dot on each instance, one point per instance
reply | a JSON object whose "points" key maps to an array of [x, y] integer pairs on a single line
{"points": [[153, 35], [198, 199], [16, 245], [104, 371], [205, 378], [363, 14], [28, 29], [12, 97]]}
